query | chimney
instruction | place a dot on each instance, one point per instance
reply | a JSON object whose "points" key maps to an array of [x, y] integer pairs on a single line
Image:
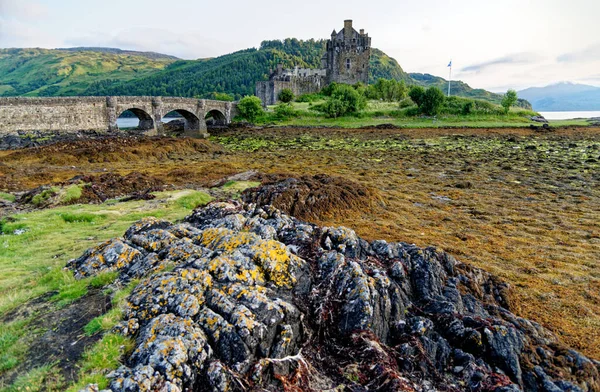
{"points": [[362, 31], [348, 29]]}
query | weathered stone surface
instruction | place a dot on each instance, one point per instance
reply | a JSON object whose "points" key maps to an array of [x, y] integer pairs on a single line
{"points": [[74, 114], [255, 300], [346, 60]]}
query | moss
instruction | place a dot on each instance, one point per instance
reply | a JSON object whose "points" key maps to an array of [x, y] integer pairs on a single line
{"points": [[72, 194], [194, 200], [7, 196]]}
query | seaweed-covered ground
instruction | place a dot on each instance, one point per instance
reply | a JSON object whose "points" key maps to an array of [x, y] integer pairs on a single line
{"points": [[521, 204]]}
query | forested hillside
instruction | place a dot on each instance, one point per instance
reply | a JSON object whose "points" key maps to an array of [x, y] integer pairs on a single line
{"points": [[106, 71], [43, 72]]}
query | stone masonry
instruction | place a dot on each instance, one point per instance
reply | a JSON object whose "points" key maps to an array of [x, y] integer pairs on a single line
{"points": [[345, 61], [72, 114]]}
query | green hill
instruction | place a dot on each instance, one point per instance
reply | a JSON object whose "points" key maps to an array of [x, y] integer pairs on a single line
{"points": [[107, 71], [44, 72]]}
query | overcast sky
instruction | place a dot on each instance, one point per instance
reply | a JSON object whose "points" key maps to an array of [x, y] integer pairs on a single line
{"points": [[494, 44]]}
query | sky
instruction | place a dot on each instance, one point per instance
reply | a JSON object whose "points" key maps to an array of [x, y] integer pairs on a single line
{"points": [[493, 44]]}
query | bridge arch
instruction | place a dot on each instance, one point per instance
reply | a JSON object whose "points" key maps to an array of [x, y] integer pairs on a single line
{"points": [[191, 120], [215, 117], [145, 119]]}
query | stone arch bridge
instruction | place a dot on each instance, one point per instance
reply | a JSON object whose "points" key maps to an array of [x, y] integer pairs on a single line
{"points": [[72, 114]]}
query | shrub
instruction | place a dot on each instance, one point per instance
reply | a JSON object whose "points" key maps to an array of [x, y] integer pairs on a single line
{"points": [[416, 94], [387, 89], [333, 108], [433, 99], [222, 97], [309, 98], [250, 108], [406, 103], [352, 100], [284, 111], [286, 95], [328, 90], [468, 108]]}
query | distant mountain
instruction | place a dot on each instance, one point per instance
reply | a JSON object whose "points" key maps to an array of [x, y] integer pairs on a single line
{"points": [[150, 55], [563, 97], [110, 71], [45, 72]]}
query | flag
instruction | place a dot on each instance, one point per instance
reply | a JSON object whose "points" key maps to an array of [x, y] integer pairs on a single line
{"points": [[450, 63]]}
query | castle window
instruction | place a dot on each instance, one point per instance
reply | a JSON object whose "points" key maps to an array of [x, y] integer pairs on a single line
{"points": [[348, 64]]}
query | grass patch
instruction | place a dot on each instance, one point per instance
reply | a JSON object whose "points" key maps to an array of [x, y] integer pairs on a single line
{"points": [[71, 217], [107, 321], [72, 194], [102, 358], [193, 200], [32, 263], [45, 378], [44, 195], [7, 196], [239, 186], [11, 352]]}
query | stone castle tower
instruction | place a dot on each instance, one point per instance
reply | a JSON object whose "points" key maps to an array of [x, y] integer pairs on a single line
{"points": [[347, 56], [345, 61]]}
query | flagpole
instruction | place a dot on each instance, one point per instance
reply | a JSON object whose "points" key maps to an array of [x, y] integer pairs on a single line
{"points": [[450, 78]]}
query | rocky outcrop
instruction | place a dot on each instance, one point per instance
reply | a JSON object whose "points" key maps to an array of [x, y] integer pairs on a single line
{"points": [[244, 298]]}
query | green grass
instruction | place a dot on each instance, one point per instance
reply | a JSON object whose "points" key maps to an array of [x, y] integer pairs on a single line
{"points": [[107, 321], [71, 217], [380, 112], [44, 378], [7, 197], [194, 200], [72, 193], [43, 196], [11, 349], [239, 186], [32, 263], [102, 358]]}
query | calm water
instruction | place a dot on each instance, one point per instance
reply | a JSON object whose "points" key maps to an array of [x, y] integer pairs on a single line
{"points": [[132, 122], [568, 115]]}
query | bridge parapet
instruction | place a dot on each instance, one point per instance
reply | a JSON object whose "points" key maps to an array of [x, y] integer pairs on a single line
{"points": [[72, 114]]}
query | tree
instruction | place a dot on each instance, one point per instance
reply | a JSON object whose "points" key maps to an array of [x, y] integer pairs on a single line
{"points": [[416, 94], [286, 95], [432, 101], [250, 108], [509, 99]]}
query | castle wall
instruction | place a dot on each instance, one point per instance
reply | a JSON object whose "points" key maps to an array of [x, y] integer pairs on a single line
{"points": [[346, 61]]}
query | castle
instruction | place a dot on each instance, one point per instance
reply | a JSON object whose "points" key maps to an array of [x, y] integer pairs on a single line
{"points": [[345, 61]]}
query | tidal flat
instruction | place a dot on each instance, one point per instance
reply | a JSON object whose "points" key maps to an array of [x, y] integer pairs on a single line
{"points": [[520, 204]]}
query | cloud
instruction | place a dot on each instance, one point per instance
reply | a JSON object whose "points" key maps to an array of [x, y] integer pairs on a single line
{"points": [[18, 24], [188, 45], [22, 10], [591, 53], [512, 59]]}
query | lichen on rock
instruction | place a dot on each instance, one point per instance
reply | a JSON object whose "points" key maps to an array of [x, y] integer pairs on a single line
{"points": [[256, 300]]}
